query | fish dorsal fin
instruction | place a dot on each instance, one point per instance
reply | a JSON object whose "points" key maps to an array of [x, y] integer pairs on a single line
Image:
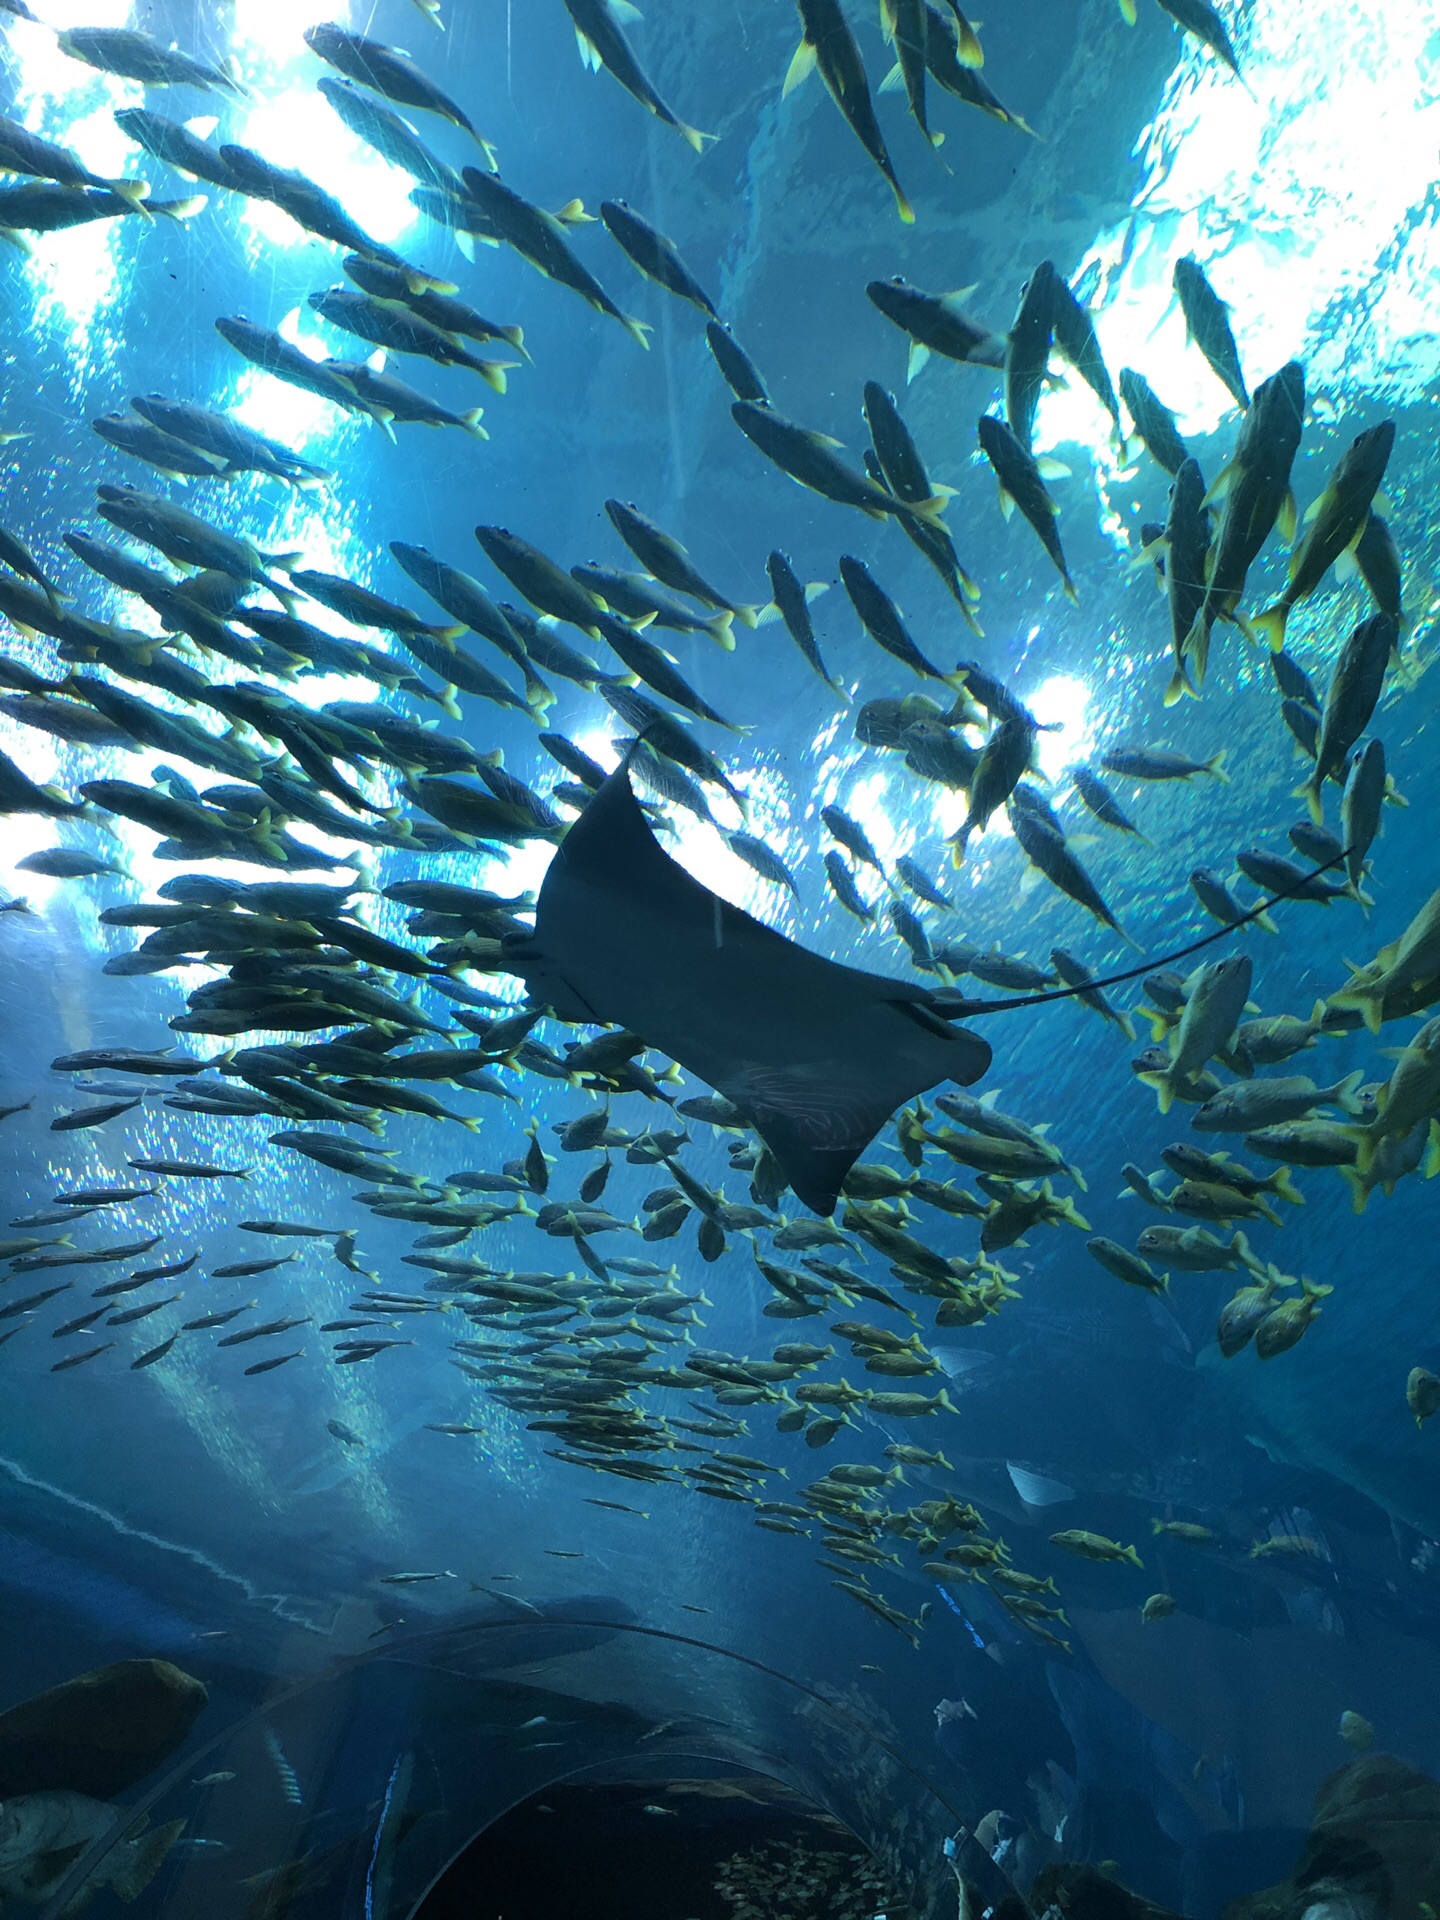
{"points": [[893, 81], [802, 65], [919, 354], [203, 125], [956, 302], [376, 361], [623, 12], [1051, 469]]}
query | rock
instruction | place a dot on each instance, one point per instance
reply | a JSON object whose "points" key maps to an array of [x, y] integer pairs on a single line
{"points": [[100, 1733], [1373, 1852], [1085, 1893]]}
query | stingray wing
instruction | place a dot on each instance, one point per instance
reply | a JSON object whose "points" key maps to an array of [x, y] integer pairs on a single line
{"points": [[818, 1055], [818, 1121]]}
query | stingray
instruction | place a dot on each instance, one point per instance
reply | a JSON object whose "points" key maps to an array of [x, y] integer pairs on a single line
{"points": [[816, 1055]]}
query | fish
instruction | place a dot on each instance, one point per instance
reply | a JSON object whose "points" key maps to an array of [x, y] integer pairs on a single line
{"points": [[1362, 798], [852, 836], [1280, 876], [1334, 525], [1126, 1266], [904, 26], [664, 557], [539, 237], [136, 56], [771, 1020], [1187, 549], [1089, 995], [392, 137], [23, 152], [1422, 1394], [1049, 853], [1154, 422], [810, 459], [391, 73], [736, 367], [1022, 485], [1350, 701], [653, 255], [43, 1834], [1199, 18], [1101, 802], [936, 323], [402, 330], [827, 44], [1075, 336], [950, 50], [792, 602], [43, 207], [1254, 490], [1161, 763], [1250, 1105], [1207, 326], [1094, 1546], [1006, 757], [1027, 352], [881, 618], [599, 30], [1282, 1327], [1220, 903], [307, 204], [842, 884]]}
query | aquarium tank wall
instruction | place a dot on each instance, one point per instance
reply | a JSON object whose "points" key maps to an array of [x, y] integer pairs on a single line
{"points": [[718, 960]]}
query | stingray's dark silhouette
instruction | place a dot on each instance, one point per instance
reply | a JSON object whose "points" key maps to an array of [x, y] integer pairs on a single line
{"points": [[816, 1055]]}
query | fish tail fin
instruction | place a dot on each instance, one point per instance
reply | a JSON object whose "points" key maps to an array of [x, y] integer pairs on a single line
{"points": [[1217, 767], [692, 136], [1285, 1187], [1127, 12], [1309, 791], [932, 511], [134, 192], [1180, 684], [1345, 1093], [1269, 1212], [637, 330], [747, 616], [1265, 923], [471, 423], [802, 65], [1270, 625], [902, 205], [147, 1856], [1359, 1191], [492, 372], [1430, 1165]]}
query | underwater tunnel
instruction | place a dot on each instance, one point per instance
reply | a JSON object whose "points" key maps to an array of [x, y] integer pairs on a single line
{"points": [[717, 1158]]}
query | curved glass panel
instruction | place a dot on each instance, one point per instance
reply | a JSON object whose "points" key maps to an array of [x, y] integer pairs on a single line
{"points": [[539, 1244]]}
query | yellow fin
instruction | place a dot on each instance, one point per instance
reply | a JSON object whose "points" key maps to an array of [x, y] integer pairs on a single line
{"points": [[801, 67]]}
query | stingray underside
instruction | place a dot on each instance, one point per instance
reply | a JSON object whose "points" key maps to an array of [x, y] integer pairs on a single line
{"points": [[818, 1056]]}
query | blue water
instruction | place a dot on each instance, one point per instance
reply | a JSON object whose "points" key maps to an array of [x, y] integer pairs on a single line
{"points": [[194, 1513]]}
